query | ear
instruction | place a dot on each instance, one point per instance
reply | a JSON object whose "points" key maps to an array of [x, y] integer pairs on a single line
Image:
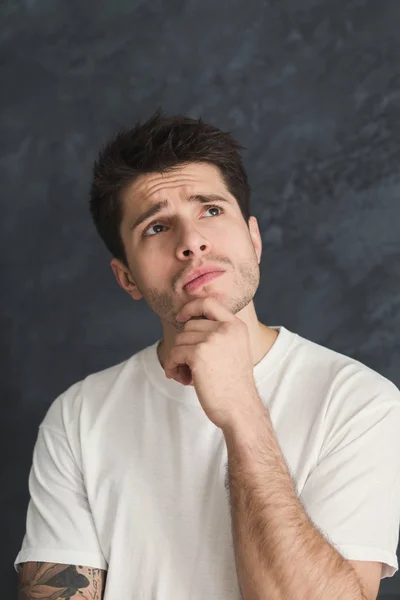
{"points": [[124, 279], [255, 237]]}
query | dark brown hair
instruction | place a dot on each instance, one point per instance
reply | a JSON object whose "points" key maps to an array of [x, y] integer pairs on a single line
{"points": [[158, 145]]}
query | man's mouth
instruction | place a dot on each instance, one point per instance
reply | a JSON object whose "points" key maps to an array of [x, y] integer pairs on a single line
{"points": [[202, 280]]}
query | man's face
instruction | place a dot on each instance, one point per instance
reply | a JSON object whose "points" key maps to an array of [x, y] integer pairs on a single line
{"points": [[164, 248]]}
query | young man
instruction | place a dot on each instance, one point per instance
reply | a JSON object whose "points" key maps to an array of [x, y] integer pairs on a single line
{"points": [[229, 459]]}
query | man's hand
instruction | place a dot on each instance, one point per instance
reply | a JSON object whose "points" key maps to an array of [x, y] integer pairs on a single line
{"points": [[215, 354]]}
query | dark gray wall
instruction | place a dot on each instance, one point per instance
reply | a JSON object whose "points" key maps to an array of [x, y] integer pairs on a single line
{"points": [[312, 88]]}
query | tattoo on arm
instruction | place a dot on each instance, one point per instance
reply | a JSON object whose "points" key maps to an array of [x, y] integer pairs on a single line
{"points": [[55, 581]]}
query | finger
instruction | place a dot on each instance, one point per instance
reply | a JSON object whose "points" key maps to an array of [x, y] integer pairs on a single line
{"points": [[182, 374], [206, 307], [199, 325], [179, 355], [189, 338], [185, 375]]}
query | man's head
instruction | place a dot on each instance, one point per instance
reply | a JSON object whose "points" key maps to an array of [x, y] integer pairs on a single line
{"points": [[195, 171]]}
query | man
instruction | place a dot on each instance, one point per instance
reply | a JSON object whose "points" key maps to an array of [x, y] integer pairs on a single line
{"points": [[229, 459]]}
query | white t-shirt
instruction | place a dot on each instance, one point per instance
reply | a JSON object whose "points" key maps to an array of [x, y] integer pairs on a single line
{"points": [[128, 471]]}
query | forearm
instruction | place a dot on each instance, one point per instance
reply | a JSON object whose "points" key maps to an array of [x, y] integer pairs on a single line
{"points": [[279, 552]]}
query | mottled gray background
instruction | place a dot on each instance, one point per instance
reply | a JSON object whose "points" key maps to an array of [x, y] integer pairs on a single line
{"points": [[311, 88]]}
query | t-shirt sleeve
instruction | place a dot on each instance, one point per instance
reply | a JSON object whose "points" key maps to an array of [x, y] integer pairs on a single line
{"points": [[59, 523], [353, 494]]}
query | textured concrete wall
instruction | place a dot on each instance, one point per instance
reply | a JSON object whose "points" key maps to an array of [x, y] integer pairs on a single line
{"points": [[311, 88]]}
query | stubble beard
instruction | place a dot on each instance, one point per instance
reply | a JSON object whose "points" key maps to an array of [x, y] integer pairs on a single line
{"points": [[163, 305]]}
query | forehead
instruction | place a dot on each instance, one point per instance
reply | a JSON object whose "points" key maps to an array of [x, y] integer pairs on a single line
{"points": [[182, 181]]}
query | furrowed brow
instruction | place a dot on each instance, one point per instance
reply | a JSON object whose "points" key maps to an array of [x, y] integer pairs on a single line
{"points": [[156, 208]]}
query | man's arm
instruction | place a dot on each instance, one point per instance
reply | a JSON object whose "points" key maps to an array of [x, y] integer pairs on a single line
{"points": [[278, 550], [38, 580]]}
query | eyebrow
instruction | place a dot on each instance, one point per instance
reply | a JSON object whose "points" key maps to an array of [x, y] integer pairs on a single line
{"points": [[154, 209]]}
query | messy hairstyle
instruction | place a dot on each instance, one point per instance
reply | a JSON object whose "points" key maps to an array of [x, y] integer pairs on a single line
{"points": [[158, 145]]}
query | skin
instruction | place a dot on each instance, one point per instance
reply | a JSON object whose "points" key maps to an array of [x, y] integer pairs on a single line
{"points": [[41, 580], [183, 237]]}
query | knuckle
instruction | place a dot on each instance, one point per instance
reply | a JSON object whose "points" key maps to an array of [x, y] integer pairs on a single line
{"points": [[208, 302], [200, 349], [213, 335]]}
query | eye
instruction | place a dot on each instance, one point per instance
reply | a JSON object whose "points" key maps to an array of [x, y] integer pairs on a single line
{"points": [[210, 207], [157, 224]]}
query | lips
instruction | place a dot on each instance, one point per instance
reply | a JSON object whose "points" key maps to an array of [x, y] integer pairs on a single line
{"points": [[199, 272], [202, 280]]}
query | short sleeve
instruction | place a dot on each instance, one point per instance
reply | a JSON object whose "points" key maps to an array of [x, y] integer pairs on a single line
{"points": [[353, 494], [59, 524]]}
